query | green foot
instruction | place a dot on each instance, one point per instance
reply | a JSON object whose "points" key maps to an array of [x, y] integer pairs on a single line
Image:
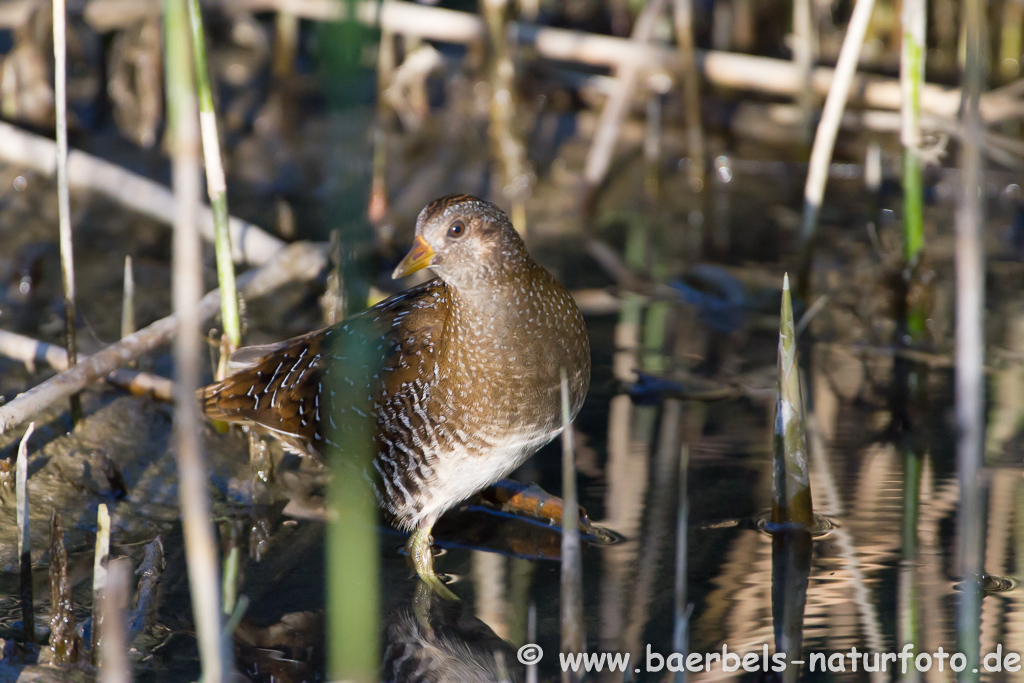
{"points": [[423, 560]]}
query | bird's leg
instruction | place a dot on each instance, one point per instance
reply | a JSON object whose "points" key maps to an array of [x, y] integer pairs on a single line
{"points": [[418, 548]]}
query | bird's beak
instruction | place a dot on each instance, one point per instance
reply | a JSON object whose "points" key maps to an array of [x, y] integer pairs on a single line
{"points": [[419, 257]]}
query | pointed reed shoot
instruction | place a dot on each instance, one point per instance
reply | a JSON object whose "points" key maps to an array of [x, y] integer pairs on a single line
{"points": [[197, 524], [216, 186], [67, 257], [99, 581], [24, 539], [791, 483], [573, 637]]}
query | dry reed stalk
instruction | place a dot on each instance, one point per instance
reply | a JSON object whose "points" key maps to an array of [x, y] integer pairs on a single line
{"points": [[599, 157], [99, 580], [197, 523], [970, 348], [573, 635], [828, 127], [114, 667], [128, 299], [67, 253]]}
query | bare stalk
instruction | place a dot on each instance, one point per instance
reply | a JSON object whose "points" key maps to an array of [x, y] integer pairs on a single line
{"points": [[970, 348], [681, 611], [114, 666], [200, 546], [67, 254], [128, 299], [691, 91], [828, 127], [573, 637], [216, 186], [99, 580]]}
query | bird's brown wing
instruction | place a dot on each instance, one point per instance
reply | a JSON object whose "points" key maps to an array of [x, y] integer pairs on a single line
{"points": [[288, 391]]}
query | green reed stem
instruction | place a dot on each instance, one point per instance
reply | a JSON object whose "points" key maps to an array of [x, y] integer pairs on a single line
{"points": [[353, 553], [791, 482], [911, 78], [216, 186]]}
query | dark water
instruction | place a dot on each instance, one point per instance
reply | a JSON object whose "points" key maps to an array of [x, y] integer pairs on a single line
{"points": [[714, 356]]}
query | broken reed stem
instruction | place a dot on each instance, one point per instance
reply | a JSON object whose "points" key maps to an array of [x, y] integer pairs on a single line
{"points": [[970, 347], [128, 300], [114, 666], [828, 128], [99, 580], [200, 545], [683, 20], [791, 483], [232, 564], [681, 610], [377, 209], [24, 538], [573, 637], [216, 188], [67, 257]]}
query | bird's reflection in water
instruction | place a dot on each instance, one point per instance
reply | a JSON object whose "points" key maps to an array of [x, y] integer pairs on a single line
{"points": [[438, 641], [427, 641]]}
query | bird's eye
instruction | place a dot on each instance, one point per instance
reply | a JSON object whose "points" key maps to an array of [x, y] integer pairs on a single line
{"points": [[457, 229]]}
